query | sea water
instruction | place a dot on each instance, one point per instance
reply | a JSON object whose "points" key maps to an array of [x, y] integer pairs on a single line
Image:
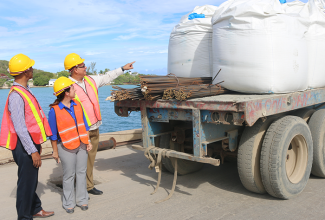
{"points": [[111, 122]]}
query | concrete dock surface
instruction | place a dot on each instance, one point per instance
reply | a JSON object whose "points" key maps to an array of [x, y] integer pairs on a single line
{"points": [[123, 175]]}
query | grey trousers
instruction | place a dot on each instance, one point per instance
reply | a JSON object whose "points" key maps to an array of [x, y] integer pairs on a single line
{"points": [[74, 165]]}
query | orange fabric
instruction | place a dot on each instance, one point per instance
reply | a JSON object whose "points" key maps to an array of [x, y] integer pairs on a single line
{"points": [[70, 134], [8, 135], [89, 101]]}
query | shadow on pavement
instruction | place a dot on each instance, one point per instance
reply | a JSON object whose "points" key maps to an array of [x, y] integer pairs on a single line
{"points": [[135, 165], [40, 190]]}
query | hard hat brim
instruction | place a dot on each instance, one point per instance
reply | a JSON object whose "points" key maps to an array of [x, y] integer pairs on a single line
{"points": [[32, 64]]}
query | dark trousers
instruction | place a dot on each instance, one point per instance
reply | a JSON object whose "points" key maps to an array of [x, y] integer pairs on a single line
{"points": [[27, 202]]}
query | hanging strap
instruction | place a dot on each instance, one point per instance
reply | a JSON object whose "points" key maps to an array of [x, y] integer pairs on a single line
{"points": [[156, 162]]}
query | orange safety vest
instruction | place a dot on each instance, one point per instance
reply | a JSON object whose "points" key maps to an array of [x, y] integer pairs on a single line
{"points": [[89, 100], [36, 122], [70, 134]]}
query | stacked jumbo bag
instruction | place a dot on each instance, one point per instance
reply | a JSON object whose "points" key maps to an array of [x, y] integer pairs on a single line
{"points": [[316, 44], [190, 44], [261, 46]]}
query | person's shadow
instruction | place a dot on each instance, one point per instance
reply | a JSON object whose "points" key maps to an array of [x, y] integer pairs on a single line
{"points": [[40, 190]]}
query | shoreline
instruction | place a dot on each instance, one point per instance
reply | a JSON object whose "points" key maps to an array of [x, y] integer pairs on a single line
{"points": [[121, 137], [32, 86]]}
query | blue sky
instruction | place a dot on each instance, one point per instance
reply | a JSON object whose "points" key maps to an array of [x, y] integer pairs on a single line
{"points": [[108, 32]]}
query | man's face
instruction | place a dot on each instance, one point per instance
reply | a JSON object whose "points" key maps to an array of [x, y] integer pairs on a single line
{"points": [[29, 73], [81, 69]]}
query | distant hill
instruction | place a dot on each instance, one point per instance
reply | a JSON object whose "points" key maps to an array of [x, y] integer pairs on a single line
{"points": [[4, 66], [41, 77]]}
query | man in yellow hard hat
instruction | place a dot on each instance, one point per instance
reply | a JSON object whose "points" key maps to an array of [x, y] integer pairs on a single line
{"points": [[87, 94], [24, 128]]}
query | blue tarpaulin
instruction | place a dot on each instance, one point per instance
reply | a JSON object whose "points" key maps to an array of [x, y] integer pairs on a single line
{"points": [[195, 15]]}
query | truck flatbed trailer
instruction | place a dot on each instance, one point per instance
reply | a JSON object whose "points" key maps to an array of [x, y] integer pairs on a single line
{"points": [[268, 134]]}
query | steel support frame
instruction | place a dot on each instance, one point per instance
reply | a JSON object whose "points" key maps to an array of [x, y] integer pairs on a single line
{"points": [[204, 132]]}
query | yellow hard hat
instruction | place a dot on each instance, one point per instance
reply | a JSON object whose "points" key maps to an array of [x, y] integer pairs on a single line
{"points": [[72, 60], [19, 64], [61, 84]]}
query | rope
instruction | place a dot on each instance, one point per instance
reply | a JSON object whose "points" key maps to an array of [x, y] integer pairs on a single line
{"points": [[156, 162], [174, 184], [147, 154]]}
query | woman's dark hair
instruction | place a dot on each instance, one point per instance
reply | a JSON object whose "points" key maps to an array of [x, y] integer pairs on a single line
{"points": [[60, 97]]}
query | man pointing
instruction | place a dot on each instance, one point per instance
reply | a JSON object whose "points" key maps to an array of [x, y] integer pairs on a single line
{"points": [[87, 94]]}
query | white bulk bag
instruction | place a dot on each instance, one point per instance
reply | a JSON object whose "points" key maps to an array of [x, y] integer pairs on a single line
{"points": [[190, 45], [316, 44], [259, 47]]}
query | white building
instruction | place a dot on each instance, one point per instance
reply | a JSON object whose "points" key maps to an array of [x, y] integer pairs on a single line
{"points": [[51, 82]]}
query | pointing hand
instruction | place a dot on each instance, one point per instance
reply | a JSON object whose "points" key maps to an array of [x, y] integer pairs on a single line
{"points": [[128, 66]]}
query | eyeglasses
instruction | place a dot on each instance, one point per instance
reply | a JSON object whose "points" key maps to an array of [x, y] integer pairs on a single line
{"points": [[82, 66]]}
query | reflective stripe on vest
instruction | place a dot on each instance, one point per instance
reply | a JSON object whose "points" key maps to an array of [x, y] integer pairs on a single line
{"points": [[37, 125], [86, 115], [95, 91], [89, 100], [35, 113], [71, 133]]}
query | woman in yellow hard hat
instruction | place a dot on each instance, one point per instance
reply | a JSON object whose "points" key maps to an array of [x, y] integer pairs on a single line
{"points": [[70, 142]]}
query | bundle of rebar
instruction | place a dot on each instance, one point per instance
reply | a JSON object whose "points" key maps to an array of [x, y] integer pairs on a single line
{"points": [[154, 86], [168, 87], [195, 91], [124, 94]]}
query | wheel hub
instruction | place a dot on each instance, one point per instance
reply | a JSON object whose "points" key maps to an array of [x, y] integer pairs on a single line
{"points": [[296, 159]]}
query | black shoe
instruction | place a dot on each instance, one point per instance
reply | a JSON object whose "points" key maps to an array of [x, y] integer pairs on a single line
{"points": [[70, 211], [95, 191], [84, 207]]}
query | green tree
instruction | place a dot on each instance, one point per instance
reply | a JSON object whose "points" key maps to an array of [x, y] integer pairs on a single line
{"points": [[2, 81], [91, 69], [63, 73], [41, 78], [4, 65], [127, 78], [9, 83], [41, 81]]}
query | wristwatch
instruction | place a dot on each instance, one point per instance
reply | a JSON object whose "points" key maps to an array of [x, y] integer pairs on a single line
{"points": [[122, 68]]}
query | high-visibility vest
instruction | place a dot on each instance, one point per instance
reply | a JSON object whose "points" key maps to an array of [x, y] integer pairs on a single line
{"points": [[71, 133], [89, 100], [36, 122]]}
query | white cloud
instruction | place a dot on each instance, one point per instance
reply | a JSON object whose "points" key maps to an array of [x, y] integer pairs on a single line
{"points": [[92, 53], [21, 21], [126, 30], [163, 51], [126, 37]]}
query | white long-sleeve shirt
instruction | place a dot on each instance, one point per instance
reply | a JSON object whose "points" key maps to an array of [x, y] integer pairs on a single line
{"points": [[100, 81]]}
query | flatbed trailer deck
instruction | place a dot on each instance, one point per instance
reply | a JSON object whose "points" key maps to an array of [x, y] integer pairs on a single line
{"points": [[206, 130]]}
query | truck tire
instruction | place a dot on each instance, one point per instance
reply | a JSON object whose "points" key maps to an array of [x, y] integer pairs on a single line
{"points": [[304, 113], [317, 128], [183, 166], [249, 152], [286, 157]]}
